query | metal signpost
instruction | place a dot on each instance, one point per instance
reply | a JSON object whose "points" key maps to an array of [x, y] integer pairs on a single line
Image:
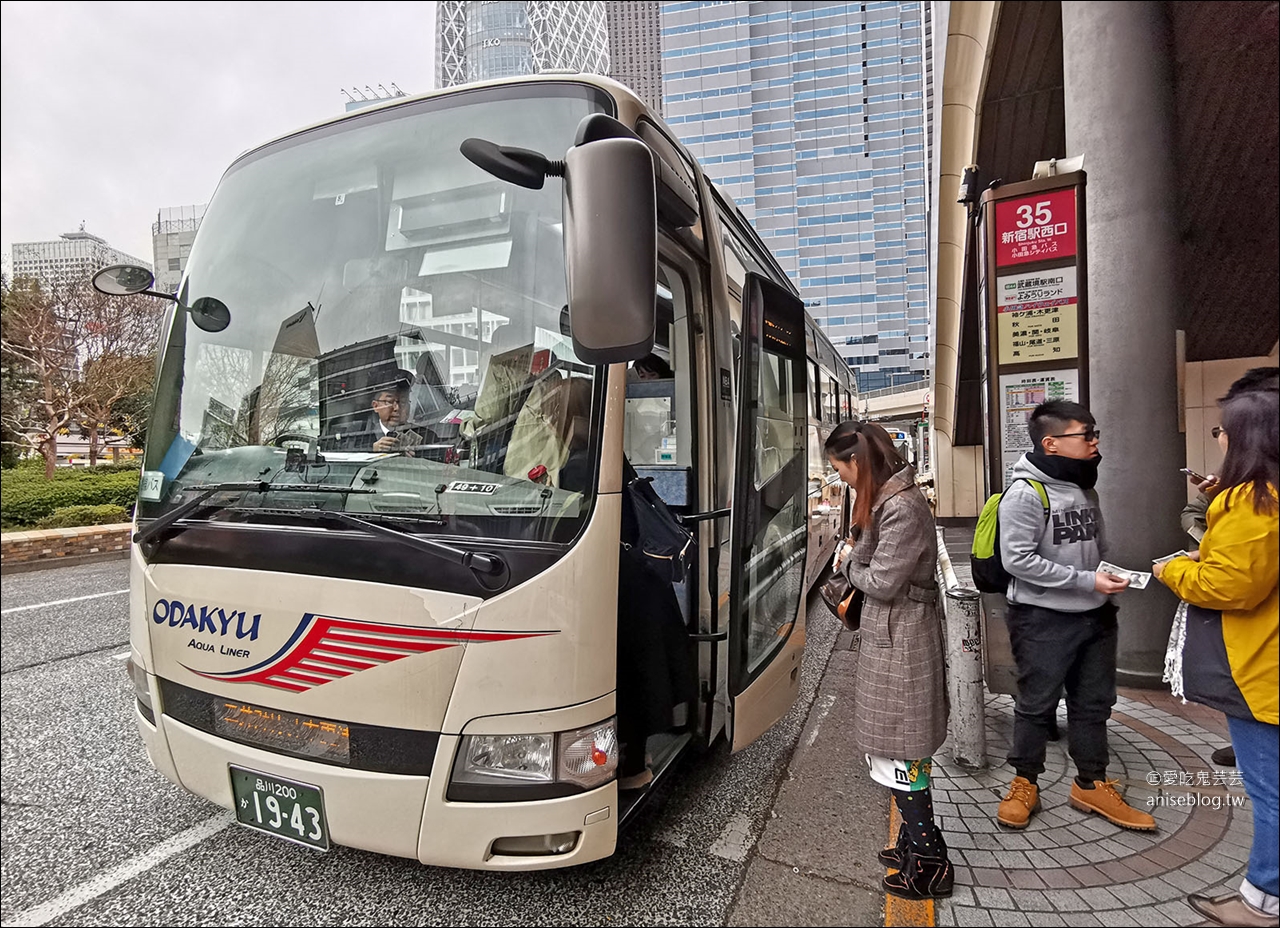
{"points": [[1032, 288]]}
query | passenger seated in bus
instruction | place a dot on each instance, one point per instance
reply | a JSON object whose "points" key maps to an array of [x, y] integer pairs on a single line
{"points": [[520, 412], [650, 367], [648, 418]]}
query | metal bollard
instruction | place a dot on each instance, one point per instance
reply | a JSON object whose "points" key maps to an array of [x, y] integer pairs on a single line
{"points": [[968, 729], [968, 711]]}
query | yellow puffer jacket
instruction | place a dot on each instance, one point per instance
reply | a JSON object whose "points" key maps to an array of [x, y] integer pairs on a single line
{"points": [[1237, 575]]}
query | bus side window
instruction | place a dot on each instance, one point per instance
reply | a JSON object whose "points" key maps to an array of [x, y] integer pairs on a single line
{"points": [[816, 381], [657, 430]]}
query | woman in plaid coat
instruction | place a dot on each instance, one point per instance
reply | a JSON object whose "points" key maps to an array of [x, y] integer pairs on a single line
{"points": [[900, 715]]}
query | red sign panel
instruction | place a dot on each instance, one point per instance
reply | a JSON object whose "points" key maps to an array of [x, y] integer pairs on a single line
{"points": [[1039, 227]]}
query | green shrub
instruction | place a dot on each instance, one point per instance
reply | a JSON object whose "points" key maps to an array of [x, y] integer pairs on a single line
{"points": [[27, 497], [73, 516], [133, 467]]}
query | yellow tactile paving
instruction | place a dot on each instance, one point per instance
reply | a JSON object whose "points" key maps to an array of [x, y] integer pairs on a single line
{"points": [[903, 912]]}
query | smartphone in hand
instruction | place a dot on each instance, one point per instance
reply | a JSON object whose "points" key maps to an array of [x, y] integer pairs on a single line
{"points": [[1195, 478]]}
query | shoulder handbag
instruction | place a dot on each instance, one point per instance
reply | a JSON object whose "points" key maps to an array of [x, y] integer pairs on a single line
{"points": [[844, 600], [1206, 668], [651, 528]]}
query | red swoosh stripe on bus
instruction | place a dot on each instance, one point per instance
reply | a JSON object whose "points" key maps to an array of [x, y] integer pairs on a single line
{"points": [[331, 649]]}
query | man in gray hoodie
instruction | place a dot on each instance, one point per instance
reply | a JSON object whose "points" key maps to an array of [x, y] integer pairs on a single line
{"points": [[1062, 623]]}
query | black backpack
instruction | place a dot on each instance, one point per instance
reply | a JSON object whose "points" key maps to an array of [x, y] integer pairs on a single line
{"points": [[651, 530]]}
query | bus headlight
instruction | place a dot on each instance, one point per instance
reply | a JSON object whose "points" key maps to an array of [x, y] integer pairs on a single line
{"points": [[584, 757], [521, 758]]}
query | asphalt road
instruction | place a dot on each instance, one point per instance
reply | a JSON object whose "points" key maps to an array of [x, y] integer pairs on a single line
{"points": [[93, 836]]}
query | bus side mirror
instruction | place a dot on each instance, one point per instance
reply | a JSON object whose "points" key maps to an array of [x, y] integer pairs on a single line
{"points": [[207, 312], [611, 251]]}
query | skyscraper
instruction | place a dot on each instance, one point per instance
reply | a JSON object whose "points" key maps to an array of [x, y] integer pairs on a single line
{"points": [[812, 116], [74, 256], [635, 47], [479, 41]]}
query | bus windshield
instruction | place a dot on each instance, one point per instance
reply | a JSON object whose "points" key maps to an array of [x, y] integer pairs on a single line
{"points": [[395, 326]]}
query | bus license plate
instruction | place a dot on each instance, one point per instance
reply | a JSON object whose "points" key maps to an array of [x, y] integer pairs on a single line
{"points": [[284, 808]]}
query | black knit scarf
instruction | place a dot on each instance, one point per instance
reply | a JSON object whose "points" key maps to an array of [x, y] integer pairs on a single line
{"points": [[1083, 474]]}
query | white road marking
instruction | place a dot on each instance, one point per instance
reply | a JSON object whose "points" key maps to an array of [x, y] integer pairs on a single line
{"points": [[63, 602], [735, 841], [121, 656], [105, 882], [827, 702]]}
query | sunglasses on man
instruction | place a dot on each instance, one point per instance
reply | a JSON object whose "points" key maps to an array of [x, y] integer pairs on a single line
{"points": [[1087, 434]]}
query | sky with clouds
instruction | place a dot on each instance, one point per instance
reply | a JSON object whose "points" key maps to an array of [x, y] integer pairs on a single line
{"points": [[113, 111]]}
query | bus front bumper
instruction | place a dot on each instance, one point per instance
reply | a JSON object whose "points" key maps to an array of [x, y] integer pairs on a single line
{"points": [[403, 816]]}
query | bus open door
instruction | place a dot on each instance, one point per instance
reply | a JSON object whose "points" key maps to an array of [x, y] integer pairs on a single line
{"points": [[769, 529]]}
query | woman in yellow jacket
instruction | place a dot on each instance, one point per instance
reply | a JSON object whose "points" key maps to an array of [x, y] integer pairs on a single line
{"points": [[1232, 656]]}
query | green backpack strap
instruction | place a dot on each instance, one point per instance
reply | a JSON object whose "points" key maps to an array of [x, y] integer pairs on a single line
{"points": [[1042, 493]]}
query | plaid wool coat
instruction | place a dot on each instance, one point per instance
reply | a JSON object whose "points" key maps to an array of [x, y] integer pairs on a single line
{"points": [[900, 692]]}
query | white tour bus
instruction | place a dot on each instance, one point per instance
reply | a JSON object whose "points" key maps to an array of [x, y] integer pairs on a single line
{"points": [[383, 589]]}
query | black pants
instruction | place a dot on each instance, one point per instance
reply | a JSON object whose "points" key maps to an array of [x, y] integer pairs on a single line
{"points": [[1056, 650], [656, 669]]}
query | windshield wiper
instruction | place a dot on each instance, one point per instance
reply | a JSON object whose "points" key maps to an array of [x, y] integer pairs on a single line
{"points": [[156, 526], [490, 570]]}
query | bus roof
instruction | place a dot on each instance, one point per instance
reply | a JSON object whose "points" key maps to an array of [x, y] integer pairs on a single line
{"points": [[624, 95], [630, 109]]}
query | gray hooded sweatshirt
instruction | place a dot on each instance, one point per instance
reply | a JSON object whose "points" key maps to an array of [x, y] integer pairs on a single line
{"points": [[1052, 562]]}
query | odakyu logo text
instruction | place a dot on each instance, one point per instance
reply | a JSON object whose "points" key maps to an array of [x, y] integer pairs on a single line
{"points": [[213, 620]]}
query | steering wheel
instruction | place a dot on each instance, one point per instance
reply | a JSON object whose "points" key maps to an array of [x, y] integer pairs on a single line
{"points": [[279, 440]]}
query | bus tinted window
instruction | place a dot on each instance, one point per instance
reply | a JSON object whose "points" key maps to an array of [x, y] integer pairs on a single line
{"points": [[395, 321]]}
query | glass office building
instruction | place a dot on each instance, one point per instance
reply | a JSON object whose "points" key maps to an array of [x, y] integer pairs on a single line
{"points": [[813, 116]]}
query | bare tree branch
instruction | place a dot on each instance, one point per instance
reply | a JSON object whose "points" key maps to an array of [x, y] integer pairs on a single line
{"points": [[76, 352]]}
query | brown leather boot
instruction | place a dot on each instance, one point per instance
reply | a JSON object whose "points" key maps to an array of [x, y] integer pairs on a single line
{"points": [[1107, 802], [1021, 802], [1231, 909]]}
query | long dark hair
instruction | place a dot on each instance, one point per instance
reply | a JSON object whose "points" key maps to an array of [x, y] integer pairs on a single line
{"points": [[871, 448], [1252, 423]]}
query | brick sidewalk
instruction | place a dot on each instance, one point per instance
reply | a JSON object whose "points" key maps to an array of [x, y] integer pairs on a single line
{"points": [[1071, 868], [1068, 867]]}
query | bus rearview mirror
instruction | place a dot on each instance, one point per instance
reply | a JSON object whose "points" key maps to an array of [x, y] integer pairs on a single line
{"points": [[610, 242], [123, 280]]}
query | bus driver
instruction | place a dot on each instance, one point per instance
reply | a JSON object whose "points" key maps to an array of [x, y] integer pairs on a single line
{"points": [[383, 428]]}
